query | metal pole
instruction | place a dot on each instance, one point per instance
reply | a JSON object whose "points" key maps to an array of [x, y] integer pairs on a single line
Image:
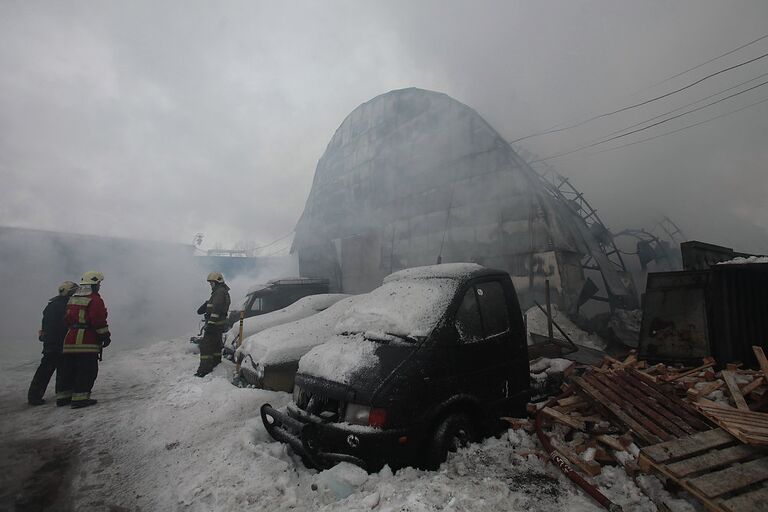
{"points": [[239, 343], [549, 310]]}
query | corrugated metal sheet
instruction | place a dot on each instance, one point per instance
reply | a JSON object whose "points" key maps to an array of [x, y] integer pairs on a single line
{"points": [[720, 312]]}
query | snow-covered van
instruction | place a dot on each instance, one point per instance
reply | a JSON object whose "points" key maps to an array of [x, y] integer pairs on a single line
{"points": [[269, 359], [302, 308], [427, 362]]}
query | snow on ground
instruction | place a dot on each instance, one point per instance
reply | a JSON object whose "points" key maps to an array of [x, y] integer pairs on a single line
{"points": [[161, 439], [537, 323]]}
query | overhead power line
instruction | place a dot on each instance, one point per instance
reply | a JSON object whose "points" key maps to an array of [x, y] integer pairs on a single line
{"points": [[681, 129], [647, 127], [687, 105], [706, 62], [642, 103], [273, 253], [665, 80], [273, 242]]}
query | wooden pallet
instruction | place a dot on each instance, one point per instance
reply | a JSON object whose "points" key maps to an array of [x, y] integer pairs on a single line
{"points": [[747, 426], [641, 405], [723, 474]]}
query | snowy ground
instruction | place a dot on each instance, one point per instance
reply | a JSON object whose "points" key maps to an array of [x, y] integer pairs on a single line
{"points": [[161, 439]]}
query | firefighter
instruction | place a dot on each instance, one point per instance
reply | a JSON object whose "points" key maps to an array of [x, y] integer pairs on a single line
{"points": [[52, 335], [88, 334], [215, 310]]}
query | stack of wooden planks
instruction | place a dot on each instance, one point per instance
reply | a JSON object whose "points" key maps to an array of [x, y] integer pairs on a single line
{"points": [[724, 475], [699, 428], [747, 426], [649, 411]]}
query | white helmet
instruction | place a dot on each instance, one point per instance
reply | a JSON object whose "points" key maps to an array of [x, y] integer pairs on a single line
{"points": [[215, 277], [92, 277]]}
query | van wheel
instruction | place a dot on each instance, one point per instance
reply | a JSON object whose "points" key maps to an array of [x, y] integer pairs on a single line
{"points": [[454, 432]]}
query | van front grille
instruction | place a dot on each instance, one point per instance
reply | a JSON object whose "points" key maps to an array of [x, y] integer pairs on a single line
{"points": [[318, 405]]}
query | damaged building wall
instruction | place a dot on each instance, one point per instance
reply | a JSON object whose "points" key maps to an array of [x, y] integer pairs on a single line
{"points": [[412, 176]]}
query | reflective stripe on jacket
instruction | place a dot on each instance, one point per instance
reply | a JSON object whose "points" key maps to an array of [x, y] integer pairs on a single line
{"points": [[217, 307], [86, 318]]}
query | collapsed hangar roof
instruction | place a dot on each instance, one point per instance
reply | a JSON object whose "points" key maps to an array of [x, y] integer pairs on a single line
{"points": [[429, 176]]}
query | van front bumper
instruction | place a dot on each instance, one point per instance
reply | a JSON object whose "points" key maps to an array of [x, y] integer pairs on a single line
{"points": [[323, 445]]}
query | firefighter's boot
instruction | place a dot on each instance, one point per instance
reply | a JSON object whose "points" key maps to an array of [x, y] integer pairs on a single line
{"points": [[79, 404]]}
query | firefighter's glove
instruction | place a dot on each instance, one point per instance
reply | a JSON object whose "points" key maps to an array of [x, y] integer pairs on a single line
{"points": [[202, 309], [40, 335], [105, 340]]}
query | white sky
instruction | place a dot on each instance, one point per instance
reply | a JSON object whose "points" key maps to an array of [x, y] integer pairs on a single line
{"points": [[157, 120]]}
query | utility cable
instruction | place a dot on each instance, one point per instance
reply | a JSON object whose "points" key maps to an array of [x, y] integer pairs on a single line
{"points": [[277, 251], [665, 80], [642, 103], [681, 129], [686, 105], [705, 63], [647, 127], [273, 242]]}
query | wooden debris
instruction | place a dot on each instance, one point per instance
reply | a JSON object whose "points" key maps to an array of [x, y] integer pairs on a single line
{"points": [[591, 468], [617, 412], [570, 400], [723, 475], [705, 390], [761, 359], [565, 419], [733, 388], [715, 452], [631, 359], [756, 383], [708, 363], [748, 426], [520, 423], [611, 442]]}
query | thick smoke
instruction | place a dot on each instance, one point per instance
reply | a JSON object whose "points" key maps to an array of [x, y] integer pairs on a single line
{"points": [[152, 290]]}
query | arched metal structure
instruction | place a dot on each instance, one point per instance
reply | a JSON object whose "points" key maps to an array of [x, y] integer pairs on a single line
{"points": [[604, 259], [413, 177]]}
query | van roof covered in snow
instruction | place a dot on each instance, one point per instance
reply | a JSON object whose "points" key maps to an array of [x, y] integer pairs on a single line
{"points": [[456, 271], [287, 281]]}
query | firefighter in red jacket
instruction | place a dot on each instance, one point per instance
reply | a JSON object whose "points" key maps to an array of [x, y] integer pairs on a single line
{"points": [[86, 318]]}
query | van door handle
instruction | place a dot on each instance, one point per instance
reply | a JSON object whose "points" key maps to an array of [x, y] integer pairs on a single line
{"points": [[426, 379]]}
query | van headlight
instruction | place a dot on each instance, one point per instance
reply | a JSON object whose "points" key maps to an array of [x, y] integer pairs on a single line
{"points": [[357, 414], [364, 415]]}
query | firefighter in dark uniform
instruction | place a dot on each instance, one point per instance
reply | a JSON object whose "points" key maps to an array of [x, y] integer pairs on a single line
{"points": [[88, 334], [215, 310], [52, 335]]}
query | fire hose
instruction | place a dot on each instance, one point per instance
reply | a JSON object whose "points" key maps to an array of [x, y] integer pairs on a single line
{"points": [[563, 465]]}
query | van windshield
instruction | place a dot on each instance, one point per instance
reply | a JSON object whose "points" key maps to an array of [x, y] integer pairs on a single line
{"points": [[402, 308]]}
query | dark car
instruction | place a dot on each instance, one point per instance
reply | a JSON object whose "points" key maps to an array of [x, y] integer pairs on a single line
{"points": [[424, 364], [275, 295]]}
